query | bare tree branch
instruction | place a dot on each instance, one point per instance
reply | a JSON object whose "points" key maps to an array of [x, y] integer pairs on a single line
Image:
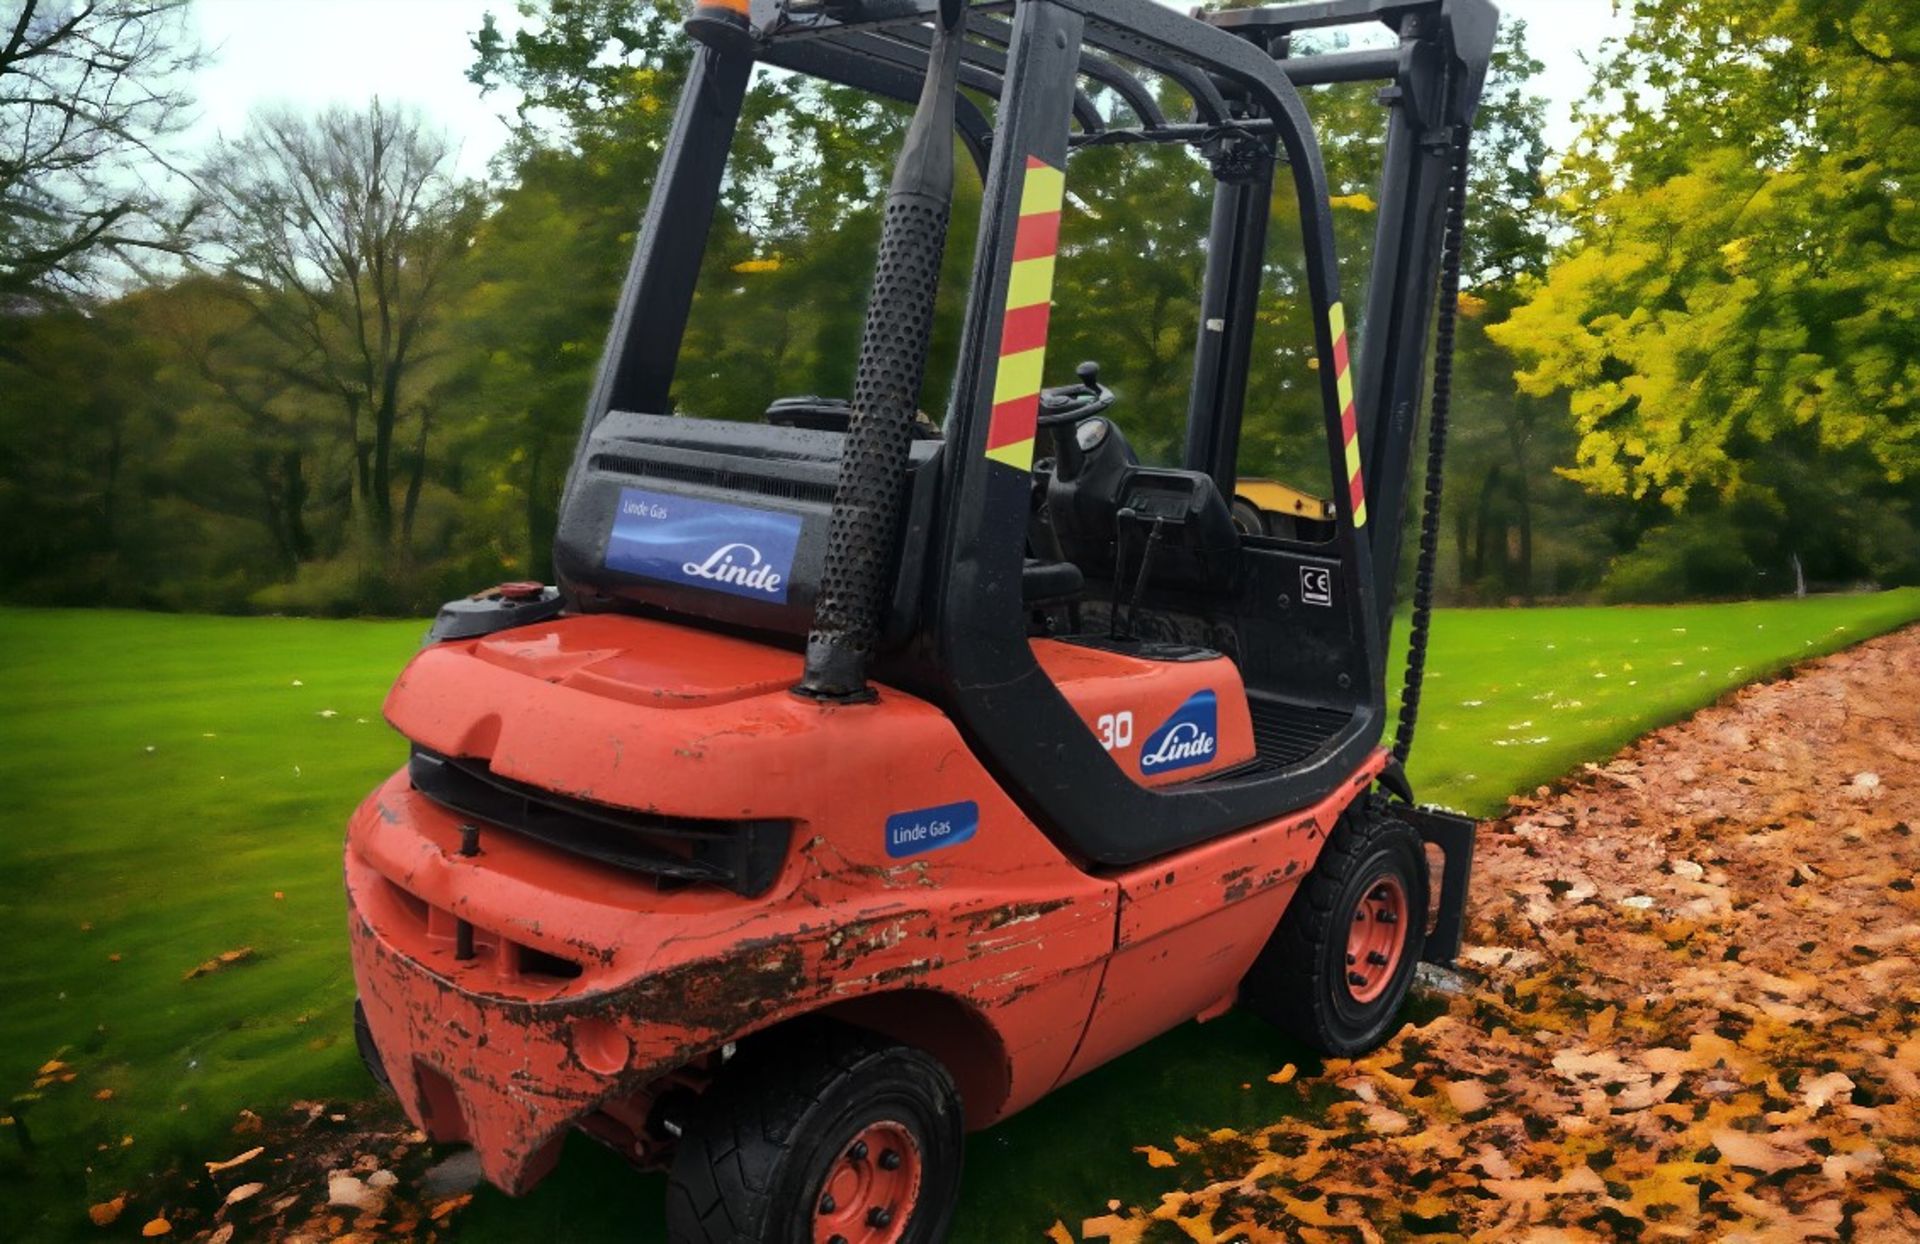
{"points": [[341, 228], [89, 94]]}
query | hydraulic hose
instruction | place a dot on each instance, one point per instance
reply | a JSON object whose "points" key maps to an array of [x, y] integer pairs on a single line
{"points": [[1446, 332]]}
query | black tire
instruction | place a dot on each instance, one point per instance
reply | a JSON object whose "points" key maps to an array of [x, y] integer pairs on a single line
{"points": [[1247, 518], [369, 1053], [786, 1113], [1300, 982]]}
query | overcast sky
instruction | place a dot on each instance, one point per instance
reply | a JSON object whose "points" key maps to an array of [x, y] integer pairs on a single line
{"points": [[315, 52]]}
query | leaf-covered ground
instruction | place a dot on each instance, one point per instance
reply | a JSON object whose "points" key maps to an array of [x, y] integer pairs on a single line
{"points": [[1687, 1010], [170, 881]]}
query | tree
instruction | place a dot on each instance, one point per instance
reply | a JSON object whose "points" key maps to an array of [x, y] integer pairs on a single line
{"points": [[342, 231], [1505, 443], [1737, 306], [249, 435], [598, 83], [89, 92]]}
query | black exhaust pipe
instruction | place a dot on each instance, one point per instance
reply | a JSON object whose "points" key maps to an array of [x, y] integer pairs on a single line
{"points": [[857, 583]]}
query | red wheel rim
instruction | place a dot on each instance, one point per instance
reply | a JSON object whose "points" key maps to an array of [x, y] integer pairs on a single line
{"points": [[869, 1193], [1376, 940]]}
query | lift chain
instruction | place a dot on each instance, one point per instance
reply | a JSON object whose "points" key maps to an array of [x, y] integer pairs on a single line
{"points": [[1449, 318]]}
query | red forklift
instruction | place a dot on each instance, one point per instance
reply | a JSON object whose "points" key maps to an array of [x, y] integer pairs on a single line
{"points": [[866, 776]]}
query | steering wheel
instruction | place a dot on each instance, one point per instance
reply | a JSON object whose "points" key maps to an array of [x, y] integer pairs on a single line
{"points": [[1070, 404]]}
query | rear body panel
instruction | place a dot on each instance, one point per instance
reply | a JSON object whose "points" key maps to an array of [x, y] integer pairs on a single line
{"points": [[1161, 721], [911, 875]]}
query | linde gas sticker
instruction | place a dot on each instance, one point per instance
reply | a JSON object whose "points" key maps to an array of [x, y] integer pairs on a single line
{"points": [[930, 829], [704, 544], [1190, 737]]}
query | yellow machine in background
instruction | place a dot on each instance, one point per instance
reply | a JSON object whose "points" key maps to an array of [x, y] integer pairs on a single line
{"points": [[1264, 507]]}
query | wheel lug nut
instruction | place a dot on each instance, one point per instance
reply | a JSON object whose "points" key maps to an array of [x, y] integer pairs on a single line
{"points": [[889, 1160], [878, 1217], [1387, 917], [838, 1239], [859, 1151], [1351, 961], [828, 1204], [1355, 979], [1377, 959]]}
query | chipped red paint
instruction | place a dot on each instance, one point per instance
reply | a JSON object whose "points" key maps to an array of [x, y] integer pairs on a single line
{"points": [[998, 954], [1191, 926]]}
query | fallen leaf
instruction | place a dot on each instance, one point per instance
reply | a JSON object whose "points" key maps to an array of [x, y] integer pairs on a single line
{"points": [[239, 954], [346, 1189], [1467, 1096], [103, 1095], [448, 1206], [1767, 1154], [1580, 1181], [158, 1226], [106, 1213], [214, 1168], [1284, 1075], [244, 1192], [1158, 1158], [1821, 1090], [1114, 1229]]}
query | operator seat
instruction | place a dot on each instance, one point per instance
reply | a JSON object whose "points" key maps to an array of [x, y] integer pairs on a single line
{"points": [[1044, 583]]}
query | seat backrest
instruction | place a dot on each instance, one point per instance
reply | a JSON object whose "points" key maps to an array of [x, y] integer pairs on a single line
{"points": [[725, 522]]}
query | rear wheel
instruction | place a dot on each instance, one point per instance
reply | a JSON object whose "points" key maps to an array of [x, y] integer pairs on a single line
{"points": [[1338, 968], [369, 1053], [824, 1136]]}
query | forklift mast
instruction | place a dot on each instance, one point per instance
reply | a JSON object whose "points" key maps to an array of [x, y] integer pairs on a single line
{"points": [[1432, 86], [917, 568]]}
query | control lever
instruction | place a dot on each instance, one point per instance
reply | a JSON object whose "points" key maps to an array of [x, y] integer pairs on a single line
{"points": [[1124, 518]]}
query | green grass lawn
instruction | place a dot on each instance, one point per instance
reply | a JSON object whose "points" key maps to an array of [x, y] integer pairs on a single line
{"points": [[176, 788]]}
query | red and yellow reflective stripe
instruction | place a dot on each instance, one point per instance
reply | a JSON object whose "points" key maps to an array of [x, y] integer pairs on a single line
{"points": [[1349, 413], [1023, 332]]}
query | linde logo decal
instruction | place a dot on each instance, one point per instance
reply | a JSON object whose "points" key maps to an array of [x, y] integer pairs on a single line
{"points": [[1188, 738], [739, 564], [930, 829], [704, 544]]}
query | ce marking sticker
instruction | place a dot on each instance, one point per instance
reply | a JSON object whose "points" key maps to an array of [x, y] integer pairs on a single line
{"points": [[1316, 585]]}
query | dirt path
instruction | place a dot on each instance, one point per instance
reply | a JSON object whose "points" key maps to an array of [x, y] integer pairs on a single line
{"points": [[1688, 1010]]}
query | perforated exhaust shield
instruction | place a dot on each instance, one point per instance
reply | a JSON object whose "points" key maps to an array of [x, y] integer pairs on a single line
{"points": [[863, 531]]}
